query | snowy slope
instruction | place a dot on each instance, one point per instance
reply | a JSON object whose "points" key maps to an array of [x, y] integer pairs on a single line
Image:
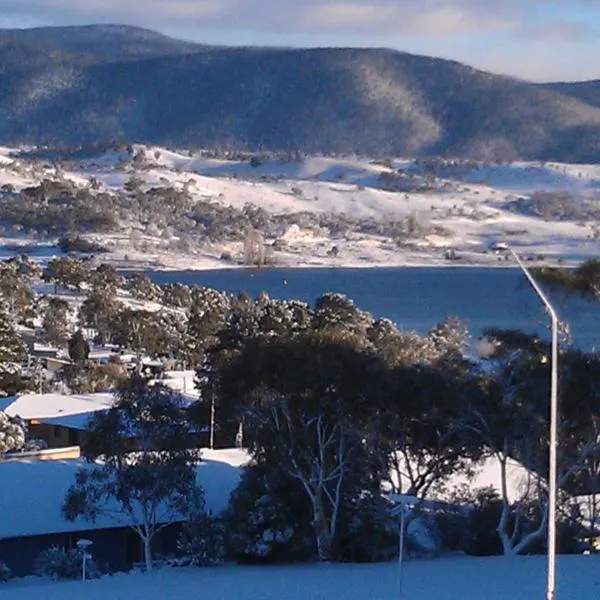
{"points": [[464, 208], [456, 578]]}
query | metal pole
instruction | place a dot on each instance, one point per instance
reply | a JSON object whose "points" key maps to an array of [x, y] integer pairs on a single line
{"points": [[83, 557], [211, 441], [552, 458], [401, 550]]}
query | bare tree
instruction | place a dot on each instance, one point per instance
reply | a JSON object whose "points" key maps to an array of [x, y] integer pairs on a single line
{"points": [[254, 248]]}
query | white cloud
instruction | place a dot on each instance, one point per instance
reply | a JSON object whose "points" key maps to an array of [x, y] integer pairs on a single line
{"points": [[423, 17]]}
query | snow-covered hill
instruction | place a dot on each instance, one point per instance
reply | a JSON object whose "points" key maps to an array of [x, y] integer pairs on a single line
{"points": [[395, 212]]}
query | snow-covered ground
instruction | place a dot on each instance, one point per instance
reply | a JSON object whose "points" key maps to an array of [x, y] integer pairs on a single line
{"points": [[455, 578], [465, 209]]}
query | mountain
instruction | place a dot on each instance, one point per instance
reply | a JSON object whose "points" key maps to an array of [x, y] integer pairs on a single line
{"points": [[586, 91], [80, 85]]}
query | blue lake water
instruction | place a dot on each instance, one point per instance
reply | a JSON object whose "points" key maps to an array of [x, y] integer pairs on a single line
{"points": [[415, 298]]}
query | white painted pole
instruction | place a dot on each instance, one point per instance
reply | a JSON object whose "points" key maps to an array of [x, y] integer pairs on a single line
{"points": [[552, 458], [401, 550], [211, 441]]}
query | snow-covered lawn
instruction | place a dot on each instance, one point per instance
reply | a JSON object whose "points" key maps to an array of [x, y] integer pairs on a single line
{"points": [[455, 578]]}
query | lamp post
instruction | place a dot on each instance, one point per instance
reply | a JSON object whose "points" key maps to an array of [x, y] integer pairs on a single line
{"points": [[401, 504], [83, 546], [552, 458]]}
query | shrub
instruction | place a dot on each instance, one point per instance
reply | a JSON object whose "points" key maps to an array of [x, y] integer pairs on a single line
{"points": [[5, 572], [201, 542], [269, 519], [367, 530], [58, 563]]}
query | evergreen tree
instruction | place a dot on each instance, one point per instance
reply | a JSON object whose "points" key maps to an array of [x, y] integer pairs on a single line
{"points": [[55, 322], [79, 349], [12, 349]]}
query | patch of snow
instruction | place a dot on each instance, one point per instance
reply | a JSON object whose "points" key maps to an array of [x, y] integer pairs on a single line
{"points": [[450, 578]]}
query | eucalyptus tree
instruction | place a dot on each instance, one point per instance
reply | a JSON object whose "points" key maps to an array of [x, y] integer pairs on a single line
{"points": [[584, 280], [306, 402], [512, 423], [142, 472]]}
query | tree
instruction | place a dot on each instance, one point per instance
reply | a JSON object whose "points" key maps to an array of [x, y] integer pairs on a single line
{"points": [[12, 434], [106, 279], [254, 248], [79, 349], [15, 291], [144, 331], [98, 311], [141, 286], [305, 402], [68, 271], [584, 280], [420, 434], [146, 476], [176, 295], [55, 322], [12, 349], [512, 422]]}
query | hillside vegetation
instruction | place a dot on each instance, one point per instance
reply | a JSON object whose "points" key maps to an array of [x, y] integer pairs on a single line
{"points": [[104, 83]]}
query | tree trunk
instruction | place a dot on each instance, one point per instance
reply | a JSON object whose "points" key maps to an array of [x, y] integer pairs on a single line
{"points": [[147, 553], [507, 548], [323, 537]]}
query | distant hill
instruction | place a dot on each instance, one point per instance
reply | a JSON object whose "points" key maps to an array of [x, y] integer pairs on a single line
{"points": [[586, 91], [80, 85]]}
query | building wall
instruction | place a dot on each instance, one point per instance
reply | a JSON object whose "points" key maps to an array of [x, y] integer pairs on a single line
{"points": [[57, 436], [117, 549]]}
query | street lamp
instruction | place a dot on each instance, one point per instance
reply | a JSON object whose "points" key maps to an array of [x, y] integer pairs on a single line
{"points": [[402, 504], [83, 546], [552, 476]]}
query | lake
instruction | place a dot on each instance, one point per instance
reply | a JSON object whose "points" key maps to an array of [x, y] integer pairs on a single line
{"points": [[415, 298]]}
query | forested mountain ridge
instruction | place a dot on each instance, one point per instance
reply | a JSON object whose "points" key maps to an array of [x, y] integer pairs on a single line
{"points": [[104, 83]]}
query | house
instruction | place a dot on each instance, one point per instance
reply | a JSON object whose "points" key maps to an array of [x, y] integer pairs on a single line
{"points": [[32, 493], [58, 419]]}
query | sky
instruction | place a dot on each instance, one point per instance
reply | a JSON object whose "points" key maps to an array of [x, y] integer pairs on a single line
{"points": [[539, 40]]}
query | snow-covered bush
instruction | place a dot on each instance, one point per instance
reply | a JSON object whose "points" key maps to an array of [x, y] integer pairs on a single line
{"points": [[269, 519], [12, 434], [201, 542], [367, 530], [423, 538], [5, 572], [58, 563]]}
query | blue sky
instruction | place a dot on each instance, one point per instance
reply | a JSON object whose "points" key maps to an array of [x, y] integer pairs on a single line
{"points": [[541, 40]]}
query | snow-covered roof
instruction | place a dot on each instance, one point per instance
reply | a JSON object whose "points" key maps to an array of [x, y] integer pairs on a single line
{"points": [[51, 406], [182, 382], [26, 513]]}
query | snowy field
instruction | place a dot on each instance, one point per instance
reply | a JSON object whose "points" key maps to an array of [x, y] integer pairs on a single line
{"points": [[465, 212], [456, 578]]}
